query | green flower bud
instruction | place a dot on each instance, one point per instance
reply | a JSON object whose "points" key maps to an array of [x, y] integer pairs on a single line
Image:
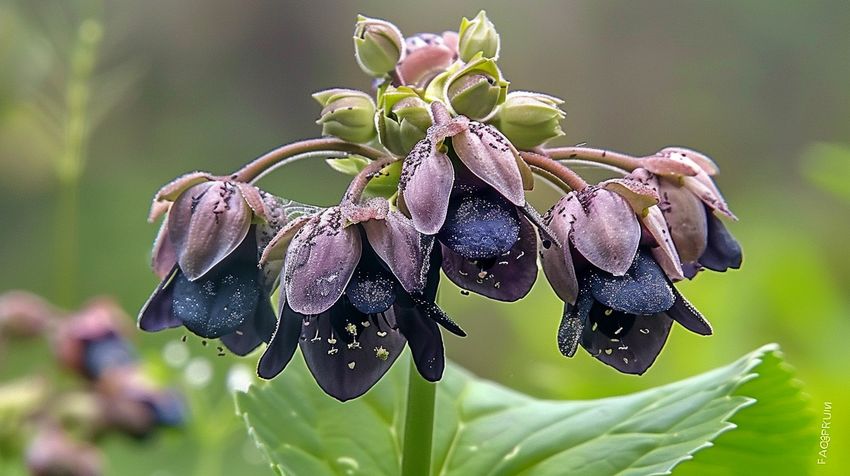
{"points": [[378, 45], [347, 114], [530, 119], [476, 89], [402, 120], [478, 36]]}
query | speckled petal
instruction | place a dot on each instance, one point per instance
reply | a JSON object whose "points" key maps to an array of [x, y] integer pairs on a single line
{"points": [[347, 366], [665, 252], [605, 230], [426, 55], [271, 259], [254, 199], [320, 261], [703, 161], [560, 271], [170, 191], [402, 248], [426, 182], [283, 343], [670, 165], [644, 289], [507, 277], [704, 188], [157, 313], [254, 331], [572, 324], [687, 315], [489, 155], [686, 219], [480, 226], [723, 250], [640, 195], [627, 342], [164, 256], [371, 290], [206, 223]]}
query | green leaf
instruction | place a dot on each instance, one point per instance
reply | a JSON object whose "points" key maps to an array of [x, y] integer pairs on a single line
{"points": [[484, 428], [383, 185]]}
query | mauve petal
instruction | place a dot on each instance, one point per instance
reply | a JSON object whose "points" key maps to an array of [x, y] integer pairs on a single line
{"points": [[402, 248], [560, 272], [283, 343], [274, 251], [157, 313], [170, 191], [426, 182], [605, 230], [425, 341], [704, 188], [687, 315], [206, 223], [346, 367], [670, 165], [508, 277], [254, 199], [644, 289], [686, 220], [703, 161], [665, 253], [626, 342], [640, 195], [723, 250], [164, 256], [320, 261], [489, 155], [422, 63]]}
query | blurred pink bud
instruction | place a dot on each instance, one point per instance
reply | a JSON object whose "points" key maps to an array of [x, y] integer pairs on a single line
{"points": [[53, 452], [93, 340], [25, 314]]}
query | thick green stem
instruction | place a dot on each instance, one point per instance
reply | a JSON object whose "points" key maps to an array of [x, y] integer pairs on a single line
{"points": [[418, 425]]}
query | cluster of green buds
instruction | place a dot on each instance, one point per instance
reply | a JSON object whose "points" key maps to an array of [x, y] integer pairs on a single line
{"points": [[458, 69]]}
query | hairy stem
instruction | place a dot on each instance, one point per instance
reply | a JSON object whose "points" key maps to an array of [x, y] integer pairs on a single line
{"points": [[361, 180], [253, 170], [556, 169], [418, 425], [602, 156]]}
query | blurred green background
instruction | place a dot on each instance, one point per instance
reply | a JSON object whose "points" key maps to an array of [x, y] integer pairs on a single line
{"points": [[761, 86]]}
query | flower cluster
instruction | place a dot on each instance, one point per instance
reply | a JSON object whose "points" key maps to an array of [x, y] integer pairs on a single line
{"points": [[442, 157]]}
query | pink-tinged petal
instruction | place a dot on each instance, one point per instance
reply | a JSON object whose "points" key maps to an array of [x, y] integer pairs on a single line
{"points": [[402, 248], [703, 187], [254, 199], [685, 215], [703, 161], [560, 271], [489, 155], [170, 191], [508, 277], [164, 255], [320, 261], [670, 165], [639, 194], [426, 55], [206, 223], [372, 209], [426, 182], [271, 260], [665, 253], [606, 230]]}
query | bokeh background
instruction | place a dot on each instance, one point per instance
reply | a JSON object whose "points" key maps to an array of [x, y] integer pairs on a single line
{"points": [[761, 86]]}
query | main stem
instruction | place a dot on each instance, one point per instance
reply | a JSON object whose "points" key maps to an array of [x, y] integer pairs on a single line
{"points": [[418, 425]]}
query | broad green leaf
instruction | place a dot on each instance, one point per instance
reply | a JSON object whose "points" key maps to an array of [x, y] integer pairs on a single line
{"points": [[484, 428]]}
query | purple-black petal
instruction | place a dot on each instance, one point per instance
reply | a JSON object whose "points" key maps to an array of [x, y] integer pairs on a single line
{"points": [[688, 316], [723, 250], [630, 343], [480, 226], [425, 341], [283, 343], [506, 277], [157, 313], [371, 289], [348, 351], [644, 289], [255, 330]]}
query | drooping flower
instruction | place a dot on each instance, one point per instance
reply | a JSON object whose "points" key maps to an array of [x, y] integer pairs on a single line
{"points": [[618, 301], [358, 282], [690, 204], [213, 286]]}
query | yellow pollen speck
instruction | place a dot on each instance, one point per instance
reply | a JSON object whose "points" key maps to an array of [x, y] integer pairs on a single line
{"points": [[351, 329], [382, 353], [608, 312]]}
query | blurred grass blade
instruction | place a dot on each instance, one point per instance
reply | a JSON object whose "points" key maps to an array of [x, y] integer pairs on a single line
{"points": [[484, 428]]}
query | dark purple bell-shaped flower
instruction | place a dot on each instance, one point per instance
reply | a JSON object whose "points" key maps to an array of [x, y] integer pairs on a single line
{"points": [[349, 343], [624, 320], [228, 302]]}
